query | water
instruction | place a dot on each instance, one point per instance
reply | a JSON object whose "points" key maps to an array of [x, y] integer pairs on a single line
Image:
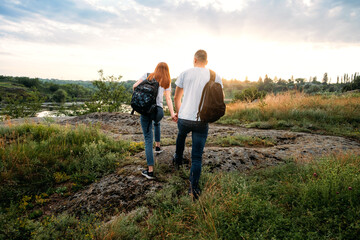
{"points": [[50, 109]]}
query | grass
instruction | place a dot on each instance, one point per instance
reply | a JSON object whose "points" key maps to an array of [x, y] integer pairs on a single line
{"points": [[38, 161], [240, 140], [337, 115], [317, 200], [35, 158]]}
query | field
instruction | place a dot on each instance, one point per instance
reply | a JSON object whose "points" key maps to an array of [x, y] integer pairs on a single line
{"points": [[334, 115], [44, 165]]}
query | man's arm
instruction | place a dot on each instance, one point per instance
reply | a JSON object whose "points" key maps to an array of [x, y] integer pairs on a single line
{"points": [[177, 98]]}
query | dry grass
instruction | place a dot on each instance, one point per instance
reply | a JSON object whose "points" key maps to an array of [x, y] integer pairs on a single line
{"points": [[295, 100], [336, 115]]}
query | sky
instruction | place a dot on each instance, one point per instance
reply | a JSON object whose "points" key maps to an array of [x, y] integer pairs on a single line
{"points": [[73, 39]]}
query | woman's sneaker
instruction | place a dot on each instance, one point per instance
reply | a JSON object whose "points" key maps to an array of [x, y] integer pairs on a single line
{"points": [[158, 150], [148, 175]]}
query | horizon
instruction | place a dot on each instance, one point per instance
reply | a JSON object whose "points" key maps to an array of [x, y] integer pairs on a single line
{"points": [[306, 80], [72, 40]]}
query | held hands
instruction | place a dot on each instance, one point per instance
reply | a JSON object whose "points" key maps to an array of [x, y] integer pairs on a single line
{"points": [[174, 117]]}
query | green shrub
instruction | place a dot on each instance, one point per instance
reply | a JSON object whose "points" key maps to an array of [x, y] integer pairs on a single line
{"points": [[23, 106], [36, 157], [249, 95]]}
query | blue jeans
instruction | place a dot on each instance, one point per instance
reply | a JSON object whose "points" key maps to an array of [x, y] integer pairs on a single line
{"points": [[146, 125], [199, 135]]}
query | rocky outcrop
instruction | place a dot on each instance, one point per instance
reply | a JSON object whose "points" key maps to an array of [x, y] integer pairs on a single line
{"points": [[127, 189], [111, 194]]}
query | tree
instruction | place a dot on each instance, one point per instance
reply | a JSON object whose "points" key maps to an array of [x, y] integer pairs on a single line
{"points": [[249, 95], [60, 96], [325, 79], [53, 87], [24, 105], [29, 82], [109, 95]]}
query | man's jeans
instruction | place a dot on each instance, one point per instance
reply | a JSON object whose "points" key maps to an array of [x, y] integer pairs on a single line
{"points": [[199, 134], [146, 125]]}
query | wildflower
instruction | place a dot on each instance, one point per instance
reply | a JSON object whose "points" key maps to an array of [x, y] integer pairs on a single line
{"points": [[315, 174], [350, 188], [337, 192]]}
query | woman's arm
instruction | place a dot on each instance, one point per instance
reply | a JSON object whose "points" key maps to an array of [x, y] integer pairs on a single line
{"points": [[137, 83], [170, 105]]}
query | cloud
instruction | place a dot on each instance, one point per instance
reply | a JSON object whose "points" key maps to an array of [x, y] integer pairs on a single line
{"points": [[70, 21], [277, 20]]}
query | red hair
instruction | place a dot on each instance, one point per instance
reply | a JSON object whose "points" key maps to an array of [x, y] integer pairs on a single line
{"points": [[162, 75]]}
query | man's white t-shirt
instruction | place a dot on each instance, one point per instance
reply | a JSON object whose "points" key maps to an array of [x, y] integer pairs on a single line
{"points": [[159, 98], [193, 82]]}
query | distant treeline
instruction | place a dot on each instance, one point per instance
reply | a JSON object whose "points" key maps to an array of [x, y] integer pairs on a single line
{"points": [[235, 89], [70, 90], [50, 89]]}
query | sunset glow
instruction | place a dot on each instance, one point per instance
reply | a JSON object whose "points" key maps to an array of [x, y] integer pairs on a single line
{"points": [[73, 39]]}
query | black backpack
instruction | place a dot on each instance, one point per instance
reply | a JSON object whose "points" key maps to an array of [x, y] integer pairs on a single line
{"points": [[144, 96], [212, 106]]}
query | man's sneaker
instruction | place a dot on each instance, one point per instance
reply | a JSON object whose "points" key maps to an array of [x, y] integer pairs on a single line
{"points": [[177, 162], [158, 150], [148, 175]]}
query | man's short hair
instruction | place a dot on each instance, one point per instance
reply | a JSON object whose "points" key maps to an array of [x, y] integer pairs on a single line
{"points": [[201, 55]]}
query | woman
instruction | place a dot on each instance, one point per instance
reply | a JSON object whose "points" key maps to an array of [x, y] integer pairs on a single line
{"points": [[162, 76]]}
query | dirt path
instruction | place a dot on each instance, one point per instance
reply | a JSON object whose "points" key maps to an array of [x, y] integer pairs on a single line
{"points": [[287, 145], [127, 189]]}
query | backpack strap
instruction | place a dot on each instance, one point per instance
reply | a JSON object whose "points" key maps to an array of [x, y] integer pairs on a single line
{"points": [[212, 75], [212, 78]]}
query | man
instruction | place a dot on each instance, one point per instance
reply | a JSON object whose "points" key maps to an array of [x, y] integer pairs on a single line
{"points": [[190, 85]]}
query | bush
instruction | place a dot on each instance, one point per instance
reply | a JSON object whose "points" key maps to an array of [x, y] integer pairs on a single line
{"points": [[36, 157], [60, 96], [249, 95], [23, 106], [313, 89], [109, 96]]}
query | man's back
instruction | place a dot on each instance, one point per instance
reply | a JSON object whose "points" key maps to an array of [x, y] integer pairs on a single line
{"points": [[192, 81]]}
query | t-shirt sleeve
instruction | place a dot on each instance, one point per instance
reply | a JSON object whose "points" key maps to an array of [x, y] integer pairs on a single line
{"points": [[180, 81], [169, 88], [218, 80]]}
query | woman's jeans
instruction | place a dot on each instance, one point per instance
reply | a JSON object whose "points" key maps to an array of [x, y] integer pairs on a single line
{"points": [[146, 125], [199, 135]]}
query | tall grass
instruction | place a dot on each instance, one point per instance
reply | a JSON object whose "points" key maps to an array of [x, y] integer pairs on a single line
{"points": [[35, 158], [318, 200], [339, 115]]}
